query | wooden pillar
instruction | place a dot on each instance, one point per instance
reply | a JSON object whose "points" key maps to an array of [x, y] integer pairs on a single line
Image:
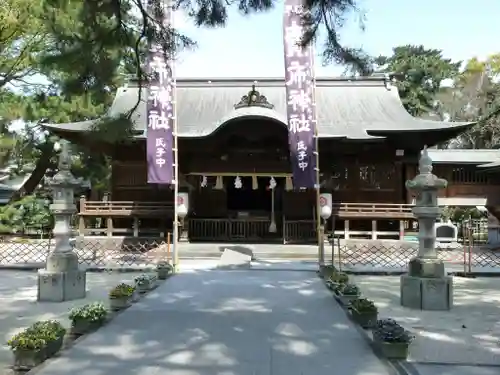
{"points": [[374, 229], [346, 230], [136, 226], [401, 230], [109, 226]]}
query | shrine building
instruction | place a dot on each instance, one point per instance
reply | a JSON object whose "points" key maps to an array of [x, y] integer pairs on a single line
{"points": [[233, 147]]}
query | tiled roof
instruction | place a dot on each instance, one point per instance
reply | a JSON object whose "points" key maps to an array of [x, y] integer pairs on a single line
{"points": [[479, 156], [356, 109]]}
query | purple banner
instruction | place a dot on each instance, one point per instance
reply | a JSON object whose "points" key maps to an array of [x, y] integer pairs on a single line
{"points": [[299, 78], [160, 112]]}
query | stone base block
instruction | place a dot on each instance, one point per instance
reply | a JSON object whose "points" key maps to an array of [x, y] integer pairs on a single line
{"points": [[427, 293], [422, 267], [61, 286]]}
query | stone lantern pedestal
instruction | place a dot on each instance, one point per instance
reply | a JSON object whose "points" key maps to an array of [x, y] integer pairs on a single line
{"points": [[62, 279], [426, 286]]}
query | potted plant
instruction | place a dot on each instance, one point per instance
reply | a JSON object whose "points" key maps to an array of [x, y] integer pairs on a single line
{"points": [[121, 296], [144, 283], [36, 343], [29, 349], [164, 270], [336, 281], [339, 277], [391, 339], [87, 318], [347, 293], [53, 333], [364, 312], [325, 272]]}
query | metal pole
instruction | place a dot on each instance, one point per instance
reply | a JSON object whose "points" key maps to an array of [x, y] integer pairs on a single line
{"points": [[319, 232], [175, 240]]}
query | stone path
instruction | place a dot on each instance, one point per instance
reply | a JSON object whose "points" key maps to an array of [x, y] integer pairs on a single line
{"points": [[208, 322]]}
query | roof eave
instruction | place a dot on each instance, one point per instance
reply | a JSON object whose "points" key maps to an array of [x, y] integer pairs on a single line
{"points": [[455, 127]]}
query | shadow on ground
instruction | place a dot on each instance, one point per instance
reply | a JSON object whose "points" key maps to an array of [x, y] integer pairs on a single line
{"points": [[468, 334], [19, 308], [227, 323]]}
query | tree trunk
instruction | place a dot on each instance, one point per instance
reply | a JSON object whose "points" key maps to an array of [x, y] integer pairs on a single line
{"points": [[43, 163]]}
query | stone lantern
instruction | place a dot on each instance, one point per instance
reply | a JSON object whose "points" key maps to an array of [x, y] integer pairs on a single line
{"points": [[62, 280], [426, 286]]}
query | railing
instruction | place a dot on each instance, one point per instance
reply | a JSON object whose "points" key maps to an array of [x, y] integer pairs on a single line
{"points": [[375, 210], [251, 229], [124, 208], [299, 231]]}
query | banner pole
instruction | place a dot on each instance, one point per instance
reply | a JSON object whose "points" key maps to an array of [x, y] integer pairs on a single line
{"points": [[319, 227], [175, 240]]}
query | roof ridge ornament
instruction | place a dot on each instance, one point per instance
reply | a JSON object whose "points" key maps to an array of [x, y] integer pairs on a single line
{"points": [[253, 99]]}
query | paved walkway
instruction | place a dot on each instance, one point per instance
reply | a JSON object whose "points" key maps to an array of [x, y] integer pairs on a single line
{"points": [[227, 323]]}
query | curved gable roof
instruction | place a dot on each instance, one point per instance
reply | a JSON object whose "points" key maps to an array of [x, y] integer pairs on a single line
{"points": [[357, 109]]}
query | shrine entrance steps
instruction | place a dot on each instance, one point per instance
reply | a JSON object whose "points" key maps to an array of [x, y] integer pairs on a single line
{"points": [[260, 251]]}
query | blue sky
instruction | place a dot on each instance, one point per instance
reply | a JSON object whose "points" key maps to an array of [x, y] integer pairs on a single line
{"points": [[252, 46]]}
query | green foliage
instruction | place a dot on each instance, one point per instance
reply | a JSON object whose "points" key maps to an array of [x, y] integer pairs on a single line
{"points": [[364, 305], [122, 290], [145, 279], [164, 266], [475, 97], [420, 73], [350, 290], [29, 213], [92, 313], [37, 336], [460, 214], [113, 129], [22, 39], [339, 277], [388, 330]]}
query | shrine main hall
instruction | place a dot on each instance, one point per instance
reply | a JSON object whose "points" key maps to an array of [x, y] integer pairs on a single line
{"points": [[235, 170]]}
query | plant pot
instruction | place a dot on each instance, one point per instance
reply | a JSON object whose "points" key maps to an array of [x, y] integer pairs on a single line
{"points": [[345, 299], [120, 303], [163, 273], [81, 327], [153, 283], [54, 346], [143, 287], [364, 319], [392, 350], [28, 359]]}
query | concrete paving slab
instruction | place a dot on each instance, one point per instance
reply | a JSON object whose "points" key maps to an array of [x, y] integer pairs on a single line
{"points": [[19, 308], [468, 334], [210, 322]]}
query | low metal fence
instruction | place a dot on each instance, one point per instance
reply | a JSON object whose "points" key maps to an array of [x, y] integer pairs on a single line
{"points": [[384, 256], [100, 253]]}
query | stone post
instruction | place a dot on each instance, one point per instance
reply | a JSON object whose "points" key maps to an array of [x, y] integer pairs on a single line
{"points": [[62, 280], [426, 286]]}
